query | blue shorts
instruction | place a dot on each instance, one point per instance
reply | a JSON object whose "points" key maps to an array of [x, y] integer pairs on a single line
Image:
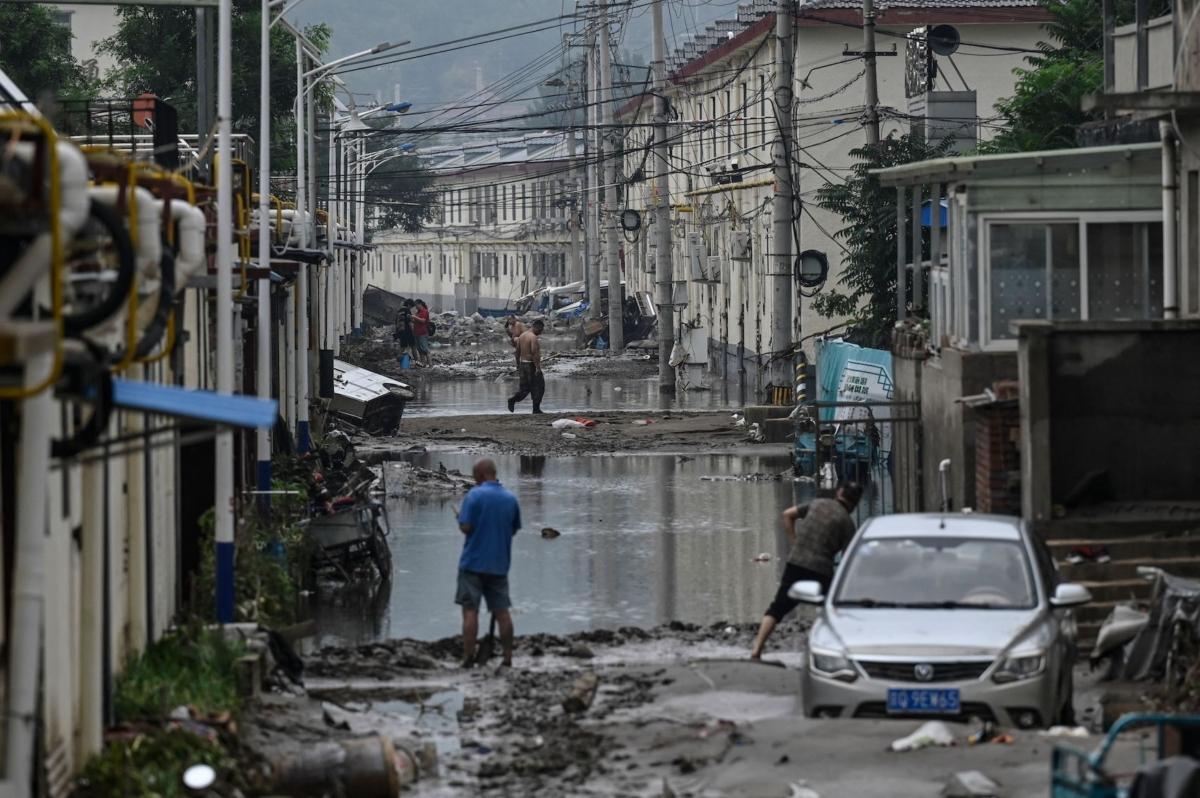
{"points": [[472, 586]]}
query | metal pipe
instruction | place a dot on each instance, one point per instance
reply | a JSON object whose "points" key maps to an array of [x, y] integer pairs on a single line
{"points": [[593, 228], [901, 254], [1170, 191], [223, 508], [308, 104]]}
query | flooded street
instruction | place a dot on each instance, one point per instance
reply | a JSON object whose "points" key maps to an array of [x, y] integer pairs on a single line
{"points": [[646, 539]]}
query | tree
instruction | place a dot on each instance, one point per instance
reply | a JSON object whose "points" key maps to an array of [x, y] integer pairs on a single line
{"points": [[1044, 111], [36, 52], [154, 49], [866, 292], [401, 191]]}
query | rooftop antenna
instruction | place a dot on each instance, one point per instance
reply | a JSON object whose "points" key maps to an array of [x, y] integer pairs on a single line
{"points": [[943, 476]]}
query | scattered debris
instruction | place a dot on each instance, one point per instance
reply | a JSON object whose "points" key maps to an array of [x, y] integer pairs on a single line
{"points": [[582, 692], [970, 784], [1064, 731], [550, 533], [764, 557], [568, 423], [643, 422], [931, 733]]}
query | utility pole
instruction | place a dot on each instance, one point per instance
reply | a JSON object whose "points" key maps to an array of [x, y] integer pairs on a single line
{"points": [[872, 83], [593, 232], [782, 209], [263, 334], [575, 267], [204, 80], [616, 302], [224, 522], [664, 267]]}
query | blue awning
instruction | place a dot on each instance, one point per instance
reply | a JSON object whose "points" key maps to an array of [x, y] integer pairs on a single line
{"points": [[927, 213], [170, 400]]}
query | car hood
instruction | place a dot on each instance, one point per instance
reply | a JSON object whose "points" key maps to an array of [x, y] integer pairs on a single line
{"points": [[923, 633]]}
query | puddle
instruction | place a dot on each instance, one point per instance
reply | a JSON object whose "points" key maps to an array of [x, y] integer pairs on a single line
{"points": [[645, 540]]}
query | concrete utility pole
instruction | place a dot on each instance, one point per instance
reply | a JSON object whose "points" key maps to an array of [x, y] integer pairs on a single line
{"points": [[664, 267], [616, 330], [782, 208], [574, 267], [593, 228], [224, 522], [263, 333], [872, 83]]}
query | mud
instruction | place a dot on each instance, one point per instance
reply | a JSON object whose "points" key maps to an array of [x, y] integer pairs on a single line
{"points": [[679, 712], [527, 434]]}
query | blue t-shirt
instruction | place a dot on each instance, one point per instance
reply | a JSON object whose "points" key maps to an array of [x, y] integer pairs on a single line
{"points": [[494, 516]]}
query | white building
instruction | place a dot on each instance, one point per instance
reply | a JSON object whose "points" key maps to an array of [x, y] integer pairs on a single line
{"points": [[89, 24], [721, 99], [503, 228]]}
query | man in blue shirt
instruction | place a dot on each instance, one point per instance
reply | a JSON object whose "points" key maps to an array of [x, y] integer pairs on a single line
{"points": [[489, 519]]}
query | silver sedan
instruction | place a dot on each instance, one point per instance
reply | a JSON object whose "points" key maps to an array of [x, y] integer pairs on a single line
{"points": [[951, 616]]}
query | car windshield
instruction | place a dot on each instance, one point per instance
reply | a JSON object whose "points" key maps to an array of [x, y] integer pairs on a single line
{"points": [[937, 572]]}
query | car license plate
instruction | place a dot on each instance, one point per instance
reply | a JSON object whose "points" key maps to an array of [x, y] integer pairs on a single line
{"points": [[934, 702]]}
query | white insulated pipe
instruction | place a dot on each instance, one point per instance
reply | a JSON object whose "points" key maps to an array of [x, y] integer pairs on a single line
{"points": [[29, 571]]}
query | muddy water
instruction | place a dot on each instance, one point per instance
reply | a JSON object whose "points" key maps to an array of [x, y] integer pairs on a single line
{"points": [[646, 539], [564, 393]]}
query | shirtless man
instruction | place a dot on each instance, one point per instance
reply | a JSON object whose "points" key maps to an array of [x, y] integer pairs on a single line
{"points": [[529, 369], [515, 330]]}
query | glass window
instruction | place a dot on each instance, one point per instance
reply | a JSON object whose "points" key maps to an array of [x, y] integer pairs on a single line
{"points": [[938, 572], [1033, 267], [1124, 270], [762, 109]]}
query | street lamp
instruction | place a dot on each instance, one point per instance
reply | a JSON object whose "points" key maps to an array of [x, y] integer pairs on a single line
{"points": [[379, 48]]}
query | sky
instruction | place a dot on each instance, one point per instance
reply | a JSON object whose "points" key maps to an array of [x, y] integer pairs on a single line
{"points": [[440, 78]]}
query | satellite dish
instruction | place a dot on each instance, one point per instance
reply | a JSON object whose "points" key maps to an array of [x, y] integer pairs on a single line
{"points": [[944, 39]]}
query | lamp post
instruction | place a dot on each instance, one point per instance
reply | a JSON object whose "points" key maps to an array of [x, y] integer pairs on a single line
{"points": [[223, 506], [263, 336]]}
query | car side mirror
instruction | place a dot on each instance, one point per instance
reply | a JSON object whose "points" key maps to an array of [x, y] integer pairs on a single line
{"points": [[809, 592], [1070, 594]]}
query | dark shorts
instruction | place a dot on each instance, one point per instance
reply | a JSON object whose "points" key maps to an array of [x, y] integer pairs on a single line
{"points": [[405, 337], [472, 587], [423, 344], [783, 603]]}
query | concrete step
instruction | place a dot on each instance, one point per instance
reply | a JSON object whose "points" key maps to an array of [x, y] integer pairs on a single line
{"points": [[1132, 548], [1119, 589], [1096, 611], [1127, 569]]}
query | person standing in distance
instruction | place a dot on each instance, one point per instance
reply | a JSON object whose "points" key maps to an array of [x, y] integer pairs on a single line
{"points": [[826, 528], [529, 369], [489, 519], [514, 329]]}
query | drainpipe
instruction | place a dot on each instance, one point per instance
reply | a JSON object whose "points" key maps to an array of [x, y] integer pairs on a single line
{"points": [[28, 577], [1170, 188]]}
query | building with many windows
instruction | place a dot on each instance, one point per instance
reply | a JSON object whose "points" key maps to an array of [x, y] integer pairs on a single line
{"points": [[503, 227], [721, 90]]}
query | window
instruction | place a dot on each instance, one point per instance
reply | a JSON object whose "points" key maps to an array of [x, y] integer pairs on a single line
{"points": [[700, 132], [1102, 266], [762, 109], [744, 113], [729, 116], [712, 134], [62, 18], [524, 203]]}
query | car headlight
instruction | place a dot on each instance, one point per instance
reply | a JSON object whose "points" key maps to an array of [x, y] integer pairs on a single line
{"points": [[829, 663], [1016, 668]]}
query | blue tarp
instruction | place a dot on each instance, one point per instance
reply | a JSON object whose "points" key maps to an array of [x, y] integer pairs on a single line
{"points": [[170, 400], [927, 213]]}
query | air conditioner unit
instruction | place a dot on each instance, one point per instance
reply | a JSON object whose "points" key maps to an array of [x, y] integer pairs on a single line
{"points": [[739, 245], [713, 269], [696, 253]]}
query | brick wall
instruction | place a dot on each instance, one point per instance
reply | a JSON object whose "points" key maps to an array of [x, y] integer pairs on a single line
{"points": [[998, 459]]}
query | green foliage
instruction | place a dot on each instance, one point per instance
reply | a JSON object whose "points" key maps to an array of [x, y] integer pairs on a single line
{"points": [[155, 51], [866, 291], [265, 583], [1044, 111], [36, 52], [151, 764], [190, 666], [402, 189]]}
